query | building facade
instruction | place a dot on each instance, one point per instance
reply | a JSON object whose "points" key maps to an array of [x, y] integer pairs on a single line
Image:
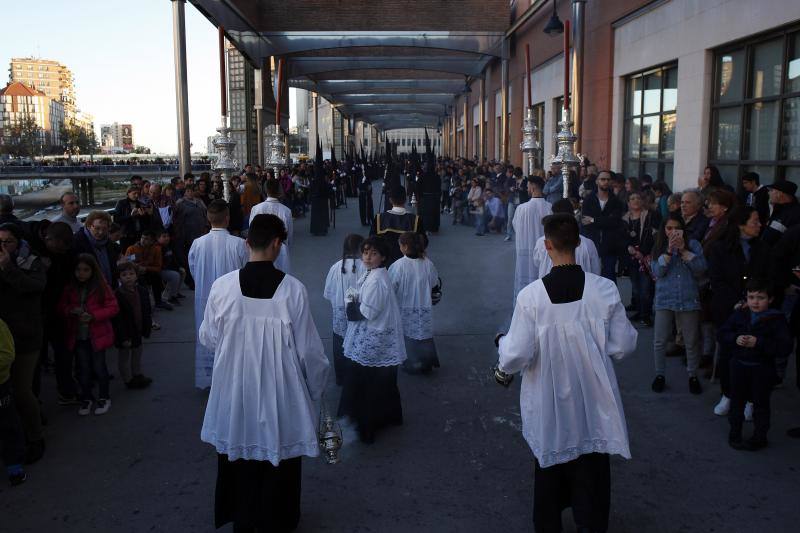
{"points": [[51, 77], [19, 101], [116, 137], [669, 86], [241, 112]]}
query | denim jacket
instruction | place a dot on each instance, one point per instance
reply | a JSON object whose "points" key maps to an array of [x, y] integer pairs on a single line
{"points": [[676, 282]]}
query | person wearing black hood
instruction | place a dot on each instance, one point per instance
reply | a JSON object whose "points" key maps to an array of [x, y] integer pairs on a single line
{"points": [[430, 187], [320, 195], [22, 281]]}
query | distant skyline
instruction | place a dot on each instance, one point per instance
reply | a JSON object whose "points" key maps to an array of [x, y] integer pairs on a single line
{"points": [[121, 56]]}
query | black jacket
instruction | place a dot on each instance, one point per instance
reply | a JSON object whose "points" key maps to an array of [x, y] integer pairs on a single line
{"points": [[124, 323], [728, 272], [696, 228], [607, 230], [132, 225], [784, 217], [773, 338]]}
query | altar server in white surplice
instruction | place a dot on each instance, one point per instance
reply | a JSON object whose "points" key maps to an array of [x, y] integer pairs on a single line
{"points": [[413, 278], [273, 206], [566, 332], [211, 256], [585, 254], [342, 277], [528, 228], [270, 371]]}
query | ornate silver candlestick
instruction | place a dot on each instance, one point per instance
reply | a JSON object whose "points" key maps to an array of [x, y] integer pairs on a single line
{"points": [[530, 143], [274, 148], [225, 163], [565, 156]]}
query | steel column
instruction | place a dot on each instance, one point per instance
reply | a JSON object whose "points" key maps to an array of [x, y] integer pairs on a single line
{"points": [[181, 85], [504, 110], [482, 117], [466, 126]]}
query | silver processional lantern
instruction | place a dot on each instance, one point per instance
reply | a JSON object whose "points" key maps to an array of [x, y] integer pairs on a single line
{"points": [[565, 155], [225, 163], [530, 142], [274, 148]]}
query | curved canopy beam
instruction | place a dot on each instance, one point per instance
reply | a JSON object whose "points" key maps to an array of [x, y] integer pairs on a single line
{"points": [[308, 66]]}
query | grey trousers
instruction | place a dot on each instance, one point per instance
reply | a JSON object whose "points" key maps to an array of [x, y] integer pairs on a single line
{"points": [[688, 323], [129, 361], [172, 282]]}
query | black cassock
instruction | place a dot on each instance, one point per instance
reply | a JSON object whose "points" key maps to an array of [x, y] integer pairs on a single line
{"points": [[365, 209], [320, 196], [390, 225], [429, 203]]}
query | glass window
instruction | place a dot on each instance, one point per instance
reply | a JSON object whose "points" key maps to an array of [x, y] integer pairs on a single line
{"points": [[650, 122], [758, 129], [793, 76], [767, 67], [730, 75]]}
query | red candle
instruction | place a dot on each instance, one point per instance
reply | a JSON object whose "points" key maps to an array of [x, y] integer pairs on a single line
{"points": [[279, 81], [566, 64], [528, 72], [222, 76]]}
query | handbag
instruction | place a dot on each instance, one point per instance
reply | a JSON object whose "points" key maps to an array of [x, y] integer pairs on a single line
{"points": [[436, 293]]}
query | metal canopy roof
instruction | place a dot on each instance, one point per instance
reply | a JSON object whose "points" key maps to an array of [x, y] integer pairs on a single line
{"points": [[374, 61]]}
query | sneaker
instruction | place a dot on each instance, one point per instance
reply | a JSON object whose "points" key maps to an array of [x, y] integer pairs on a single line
{"points": [[85, 408], [507, 238], [68, 400], [723, 407], [155, 326], [658, 384], [179, 295], [17, 478], [748, 411], [694, 385], [143, 379], [646, 322], [174, 301], [164, 305], [103, 405]]}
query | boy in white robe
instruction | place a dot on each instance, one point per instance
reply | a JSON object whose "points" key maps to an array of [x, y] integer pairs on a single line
{"points": [[528, 228], [273, 206], [270, 371], [585, 254], [211, 256], [566, 329]]}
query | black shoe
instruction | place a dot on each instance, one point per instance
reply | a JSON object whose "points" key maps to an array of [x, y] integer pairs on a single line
{"points": [[658, 384], [68, 400], [735, 441], [179, 295], [755, 443], [34, 451], [17, 479], [647, 322], [694, 385], [793, 433], [174, 301], [164, 305], [635, 317], [630, 308]]}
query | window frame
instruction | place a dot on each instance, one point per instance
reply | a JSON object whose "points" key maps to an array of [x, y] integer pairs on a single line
{"points": [[748, 46], [660, 161]]}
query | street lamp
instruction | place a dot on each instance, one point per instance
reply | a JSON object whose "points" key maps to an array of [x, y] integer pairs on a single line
{"points": [[554, 25]]}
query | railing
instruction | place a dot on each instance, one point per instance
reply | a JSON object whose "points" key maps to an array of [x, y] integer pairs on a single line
{"points": [[15, 171]]}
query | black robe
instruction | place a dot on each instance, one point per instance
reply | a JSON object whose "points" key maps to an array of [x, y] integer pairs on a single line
{"points": [[431, 187], [320, 196]]}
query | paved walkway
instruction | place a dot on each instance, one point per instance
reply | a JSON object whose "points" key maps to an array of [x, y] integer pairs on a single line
{"points": [[459, 464]]}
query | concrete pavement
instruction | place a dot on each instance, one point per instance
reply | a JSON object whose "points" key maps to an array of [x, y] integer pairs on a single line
{"points": [[458, 463]]}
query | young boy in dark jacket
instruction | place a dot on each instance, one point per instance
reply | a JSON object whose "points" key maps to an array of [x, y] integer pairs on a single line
{"points": [[133, 322], [753, 337]]}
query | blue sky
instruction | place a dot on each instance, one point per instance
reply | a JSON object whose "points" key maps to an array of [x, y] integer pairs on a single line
{"points": [[120, 53]]}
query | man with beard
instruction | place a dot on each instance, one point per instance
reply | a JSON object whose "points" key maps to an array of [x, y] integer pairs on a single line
{"points": [[602, 222]]}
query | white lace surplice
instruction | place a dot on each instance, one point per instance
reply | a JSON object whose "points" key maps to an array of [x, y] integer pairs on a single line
{"points": [[413, 280], [378, 339], [269, 372], [210, 257], [528, 227], [336, 285], [570, 401], [585, 255]]}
